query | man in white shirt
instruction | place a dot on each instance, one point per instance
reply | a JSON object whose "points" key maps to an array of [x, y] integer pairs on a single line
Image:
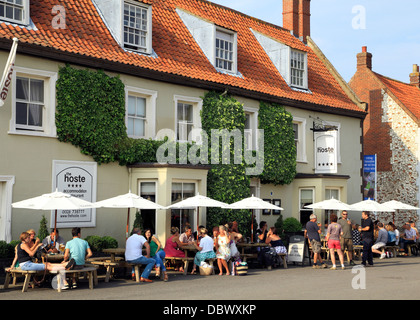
{"points": [[133, 253]]}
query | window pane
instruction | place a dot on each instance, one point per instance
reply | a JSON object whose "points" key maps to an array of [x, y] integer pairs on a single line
{"points": [[139, 127], [141, 107], [35, 115], [131, 106], [130, 126], [21, 113], [37, 90], [22, 88]]}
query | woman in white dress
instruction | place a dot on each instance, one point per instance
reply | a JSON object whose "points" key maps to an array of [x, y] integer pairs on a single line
{"points": [[223, 250]]}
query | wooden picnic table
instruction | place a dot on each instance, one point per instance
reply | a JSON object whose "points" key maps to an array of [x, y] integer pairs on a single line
{"points": [[113, 252], [54, 257], [245, 246]]}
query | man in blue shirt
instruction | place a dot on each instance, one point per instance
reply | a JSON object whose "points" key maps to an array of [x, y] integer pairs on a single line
{"points": [[77, 249]]}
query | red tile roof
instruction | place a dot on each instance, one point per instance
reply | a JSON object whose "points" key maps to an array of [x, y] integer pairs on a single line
{"points": [[178, 53], [408, 94]]}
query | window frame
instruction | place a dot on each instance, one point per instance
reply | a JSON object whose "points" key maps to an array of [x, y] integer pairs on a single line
{"points": [[126, 45], [253, 120], [150, 121], [194, 216], [301, 148], [234, 36], [197, 104], [304, 70], [48, 128], [25, 13], [300, 201]]}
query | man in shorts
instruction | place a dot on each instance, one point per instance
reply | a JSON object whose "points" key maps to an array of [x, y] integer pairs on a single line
{"points": [[346, 240], [312, 232], [380, 241]]}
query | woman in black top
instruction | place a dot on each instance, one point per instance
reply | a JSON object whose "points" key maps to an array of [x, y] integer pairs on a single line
{"points": [[25, 253]]}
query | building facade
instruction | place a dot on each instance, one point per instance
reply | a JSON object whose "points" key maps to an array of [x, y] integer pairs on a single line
{"points": [[168, 55], [391, 131]]}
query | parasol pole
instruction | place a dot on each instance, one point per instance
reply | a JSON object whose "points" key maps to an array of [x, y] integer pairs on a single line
{"points": [[128, 222], [252, 225], [55, 228]]}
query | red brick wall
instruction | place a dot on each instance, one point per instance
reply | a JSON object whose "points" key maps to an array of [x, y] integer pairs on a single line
{"points": [[376, 135]]}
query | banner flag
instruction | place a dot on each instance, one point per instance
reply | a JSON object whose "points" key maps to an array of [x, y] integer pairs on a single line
{"points": [[8, 73]]}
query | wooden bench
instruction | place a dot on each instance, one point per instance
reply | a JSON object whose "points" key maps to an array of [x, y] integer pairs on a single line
{"points": [[185, 260], [394, 250], [89, 271], [106, 263], [19, 272], [410, 249], [283, 259], [246, 256]]}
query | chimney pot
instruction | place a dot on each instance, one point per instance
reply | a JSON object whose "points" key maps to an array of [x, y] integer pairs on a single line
{"points": [[415, 76], [364, 59], [297, 16]]}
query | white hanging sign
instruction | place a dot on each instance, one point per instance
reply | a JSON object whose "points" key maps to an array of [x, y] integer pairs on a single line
{"points": [[326, 151]]}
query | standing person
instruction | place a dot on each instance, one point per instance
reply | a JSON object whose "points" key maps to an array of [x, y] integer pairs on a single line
{"points": [[346, 241], [133, 253], [312, 232], [334, 233], [205, 249], [79, 250], [157, 253], [222, 250], [381, 240], [366, 230]]}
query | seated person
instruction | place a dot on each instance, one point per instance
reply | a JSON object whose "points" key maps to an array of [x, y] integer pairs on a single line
{"points": [[409, 237], [381, 241], [25, 253], [48, 242], [205, 249], [187, 236], [392, 238], [173, 246]]}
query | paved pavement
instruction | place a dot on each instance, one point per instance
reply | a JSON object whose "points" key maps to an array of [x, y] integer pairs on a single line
{"points": [[395, 278]]}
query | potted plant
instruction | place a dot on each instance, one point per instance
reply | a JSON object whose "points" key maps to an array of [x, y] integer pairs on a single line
{"points": [[291, 227]]}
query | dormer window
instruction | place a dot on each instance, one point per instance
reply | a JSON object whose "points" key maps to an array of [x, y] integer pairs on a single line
{"points": [[225, 51], [217, 43], [137, 27], [15, 11], [292, 64], [298, 69]]}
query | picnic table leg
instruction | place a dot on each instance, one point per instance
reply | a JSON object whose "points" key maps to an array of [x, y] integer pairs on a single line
{"points": [[95, 277], [284, 262], [185, 268], [26, 282], [137, 272], [7, 280], [59, 281], [90, 277], [108, 273]]}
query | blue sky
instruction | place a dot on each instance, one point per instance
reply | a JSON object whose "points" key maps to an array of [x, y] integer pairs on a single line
{"points": [[390, 29]]}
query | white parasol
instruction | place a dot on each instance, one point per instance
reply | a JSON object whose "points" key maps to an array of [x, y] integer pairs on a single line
{"points": [[128, 200], [253, 203], [196, 202], [54, 201]]}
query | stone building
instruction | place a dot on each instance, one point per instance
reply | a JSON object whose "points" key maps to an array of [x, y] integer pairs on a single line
{"points": [[391, 131]]}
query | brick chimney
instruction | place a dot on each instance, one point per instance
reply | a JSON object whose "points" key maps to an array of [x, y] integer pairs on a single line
{"points": [[415, 76], [297, 17], [364, 59]]}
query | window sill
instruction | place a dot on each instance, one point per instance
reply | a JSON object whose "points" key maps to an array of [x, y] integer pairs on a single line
{"points": [[32, 134]]}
